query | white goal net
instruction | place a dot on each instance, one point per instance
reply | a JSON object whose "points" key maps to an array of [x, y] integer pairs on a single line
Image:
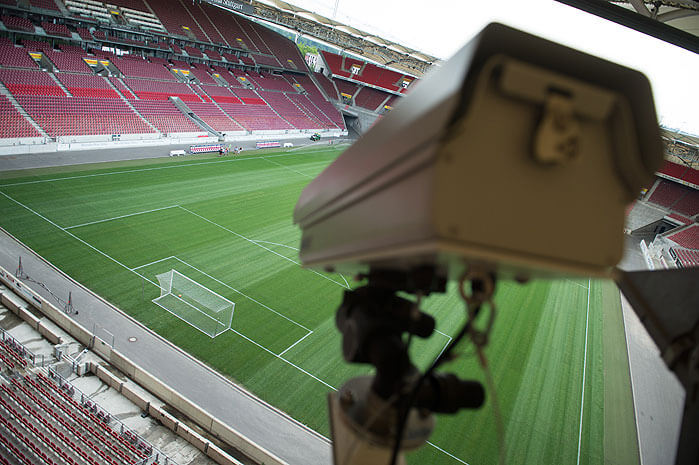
{"points": [[193, 303]]}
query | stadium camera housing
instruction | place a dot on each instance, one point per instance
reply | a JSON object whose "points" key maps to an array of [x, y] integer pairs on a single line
{"points": [[518, 154]]}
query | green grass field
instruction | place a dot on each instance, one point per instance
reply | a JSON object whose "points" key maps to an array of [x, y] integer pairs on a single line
{"points": [[226, 224]]}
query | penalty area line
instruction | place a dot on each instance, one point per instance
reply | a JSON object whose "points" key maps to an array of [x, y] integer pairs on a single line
{"points": [[121, 216], [292, 345]]}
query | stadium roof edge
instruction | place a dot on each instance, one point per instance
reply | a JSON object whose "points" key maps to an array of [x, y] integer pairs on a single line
{"points": [[345, 37]]}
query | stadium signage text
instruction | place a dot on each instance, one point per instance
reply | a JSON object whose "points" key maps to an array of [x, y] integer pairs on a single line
{"points": [[234, 5]]}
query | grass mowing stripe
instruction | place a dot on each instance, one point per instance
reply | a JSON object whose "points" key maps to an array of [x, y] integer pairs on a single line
{"points": [[260, 245], [286, 167], [77, 238]]}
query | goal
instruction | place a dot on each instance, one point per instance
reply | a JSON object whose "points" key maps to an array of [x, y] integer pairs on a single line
{"points": [[193, 303]]}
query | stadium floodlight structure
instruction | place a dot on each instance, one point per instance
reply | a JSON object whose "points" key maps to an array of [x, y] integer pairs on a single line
{"points": [[193, 303], [515, 159]]}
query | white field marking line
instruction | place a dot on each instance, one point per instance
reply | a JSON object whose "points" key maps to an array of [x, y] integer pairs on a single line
{"points": [[295, 248], [241, 293], [283, 359], [260, 245], [139, 170], [77, 238], [153, 262], [292, 345], [445, 345], [122, 216], [286, 167], [577, 284], [275, 243], [230, 329], [447, 453], [582, 399]]}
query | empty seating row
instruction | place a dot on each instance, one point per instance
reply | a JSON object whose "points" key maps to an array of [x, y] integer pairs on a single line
{"points": [[255, 117], [311, 109], [165, 116], [687, 236], [17, 23], [53, 29], [327, 85], [139, 67], [686, 258], [159, 90], [86, 85], [220, 94], [370, 98], [214, 117], [74, 116], [29, 82], [43, 403], [289, 111], [346, 88], [16, 57], [78, 411]]}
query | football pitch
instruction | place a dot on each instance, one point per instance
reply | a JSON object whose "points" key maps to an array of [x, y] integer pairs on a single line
{"points": [[557, 351]]}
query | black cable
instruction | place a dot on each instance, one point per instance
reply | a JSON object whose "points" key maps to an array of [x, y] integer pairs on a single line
{"points": [[403, 417]]}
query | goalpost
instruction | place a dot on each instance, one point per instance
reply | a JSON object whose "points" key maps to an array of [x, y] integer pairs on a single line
{"points": [[193, 303]]}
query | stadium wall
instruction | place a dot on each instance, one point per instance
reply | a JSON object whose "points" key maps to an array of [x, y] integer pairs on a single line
{"points": [[138, 375]]}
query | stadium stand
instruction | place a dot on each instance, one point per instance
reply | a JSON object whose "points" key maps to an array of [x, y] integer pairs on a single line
{"points": [[75, 116], [72, 86], [52, 29], [160, 90], [346, 87], [272, 82], [367, 72], [213, 55], [289, 111], [685, 258], [29, 82], [16, 23], [687, 236], [125, 91], [309, 108], [36, 45], [666, 193], [679, 173], [85, 85], [69, 60], [15, 56], [213, 34], [315, 96], [370, 98], [249, 97], [12, 124], [165, 116], [688, 204], [220, 94], [214, 117], [84, 34], [328, 86], [201, 72], [177, 19], [44, 4], [265, 60], [255, 117], [138, 67]]}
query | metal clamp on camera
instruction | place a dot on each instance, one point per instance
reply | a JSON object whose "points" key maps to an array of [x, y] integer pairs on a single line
{"points": [[375, 418]]}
